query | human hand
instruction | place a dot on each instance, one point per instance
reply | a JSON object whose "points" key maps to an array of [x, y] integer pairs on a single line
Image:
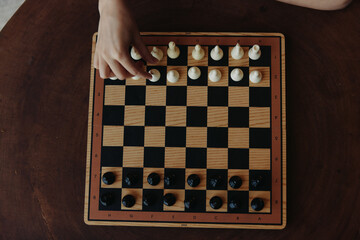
{"points": [[117, 32]]}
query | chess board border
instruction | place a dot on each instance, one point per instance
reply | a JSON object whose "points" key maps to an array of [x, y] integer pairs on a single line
{"points": [[109, 220]]}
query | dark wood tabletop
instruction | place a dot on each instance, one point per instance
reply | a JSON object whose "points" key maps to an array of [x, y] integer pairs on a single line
{"points": [[45, 54]]}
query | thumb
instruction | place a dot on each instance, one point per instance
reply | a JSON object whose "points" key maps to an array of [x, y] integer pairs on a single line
{"points": [[144, 52]]}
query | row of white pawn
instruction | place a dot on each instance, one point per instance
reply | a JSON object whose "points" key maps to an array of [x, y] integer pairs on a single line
{"points": [[198, 53], [194, 73]]}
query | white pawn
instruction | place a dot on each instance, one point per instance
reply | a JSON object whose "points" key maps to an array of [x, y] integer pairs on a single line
{"points": [[198, 53], [157, 53], [113, 78], [236, 74], [237, 52], [155, 75], [135, 54], [136, 77], [255, 52], [173, 51], [194, 73], [173, 76], [215, 75], [216, 53], [255, 76]]}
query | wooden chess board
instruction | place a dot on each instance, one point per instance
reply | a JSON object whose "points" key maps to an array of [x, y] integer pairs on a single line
{"points": [[200, 127]]}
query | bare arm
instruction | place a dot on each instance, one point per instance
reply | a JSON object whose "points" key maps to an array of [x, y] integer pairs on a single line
{"points": [[319, 4]]}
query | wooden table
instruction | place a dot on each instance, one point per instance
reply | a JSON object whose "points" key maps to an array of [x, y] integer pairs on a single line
{"points": [[45, 65]]}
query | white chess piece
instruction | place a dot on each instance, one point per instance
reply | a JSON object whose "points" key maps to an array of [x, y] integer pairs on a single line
{"points": [[255, 76], [237, 52], [236, 74], [173, 51], [255, 52], [113, 78], [198, 53], [136, 77], [216, 53], [194, 73], [157, 53], [173, 76], [135, 54], [215, 75], [155, 75]]}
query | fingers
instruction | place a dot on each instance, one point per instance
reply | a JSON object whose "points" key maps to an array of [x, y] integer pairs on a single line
{"points": [[119, 71], [104, 69], [144, 52], [132, 67]]}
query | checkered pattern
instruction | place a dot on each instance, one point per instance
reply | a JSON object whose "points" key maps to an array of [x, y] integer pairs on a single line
{"points": [[190, 127]]}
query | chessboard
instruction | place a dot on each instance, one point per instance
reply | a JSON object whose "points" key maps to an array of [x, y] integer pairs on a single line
{"points": [[183, 151]]}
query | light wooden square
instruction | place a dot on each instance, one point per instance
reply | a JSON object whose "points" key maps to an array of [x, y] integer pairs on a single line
{"points": [[202, 175], [154, 136], [217, 117], [243, 62], [147, 172], [238, 138], [118, 176], [180, 197], [175, 157], [219, 193], [202, 62], [113, 135], [259, 117], [197, 96], [114, 95], [182, 70], [133, 157], [217, 158], [265, 81], [196, 137], [243, 174], [259, 158], [155, 95], [238, 96], [224, 76], [163, 61], [137, 194], [175, 116], [134, 115], [264, 195]]}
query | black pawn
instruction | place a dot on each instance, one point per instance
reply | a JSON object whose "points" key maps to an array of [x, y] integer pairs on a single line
{"points": [[106, 199], [234, 204], [131, 179], [257, 182], [108, 178], [235, 182], [215, 202], [193, 180], [189, 202], [153, 179], [169, 199], [257, 204], [128, 201], [169, 179], [148, 200], [215, 181]]}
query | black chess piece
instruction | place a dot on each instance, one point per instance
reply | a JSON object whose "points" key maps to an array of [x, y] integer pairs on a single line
{"points": [[235, 182], [257, 204], [169, 199], [108, 178], [107, 198], [189, 202], [215, 181], [169, 179], [148, 200], [234, 204], [216, 202], [131, 179], [153, 179], [256, 182], [193, 180], [128, 201]]}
